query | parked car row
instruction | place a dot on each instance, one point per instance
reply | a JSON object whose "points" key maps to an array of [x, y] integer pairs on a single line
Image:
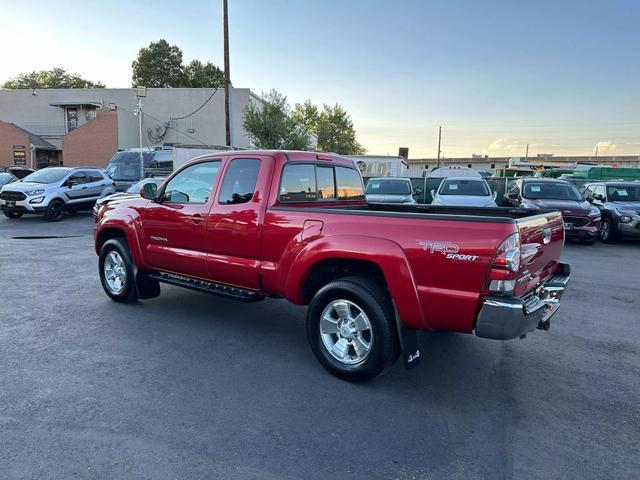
{"points": [[608, 209]]}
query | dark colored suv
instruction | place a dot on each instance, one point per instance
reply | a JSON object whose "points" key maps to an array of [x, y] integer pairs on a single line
{"points": [[581, 219], [619, 204]]}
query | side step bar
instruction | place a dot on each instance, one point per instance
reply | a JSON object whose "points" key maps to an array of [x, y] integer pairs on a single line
{"points": [[209, 287]]}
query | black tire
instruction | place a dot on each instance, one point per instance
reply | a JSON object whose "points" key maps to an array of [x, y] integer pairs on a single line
{"points": [[608, 233], [12, 215], [128, 293], [374, 301], [55, 211]]}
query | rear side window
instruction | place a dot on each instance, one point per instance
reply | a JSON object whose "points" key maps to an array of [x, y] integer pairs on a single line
{"points": [[311, 183], [326, 183], [95, 176], [239, 181], [349, 183], [298, 183]]}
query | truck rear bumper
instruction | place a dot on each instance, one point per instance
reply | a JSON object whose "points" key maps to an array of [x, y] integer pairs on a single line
{"points": [[504, 318]]}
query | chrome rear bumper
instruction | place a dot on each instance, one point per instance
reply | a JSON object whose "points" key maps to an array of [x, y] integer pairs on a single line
{"points": [[504, 318]]}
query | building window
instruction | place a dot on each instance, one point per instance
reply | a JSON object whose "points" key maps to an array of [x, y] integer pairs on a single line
{"points": [[493, 165], [72, 118], [469, 165]]}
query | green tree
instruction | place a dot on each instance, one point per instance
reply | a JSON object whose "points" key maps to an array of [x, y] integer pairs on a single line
{"points": [[203, 75], [307, 115], [159, 65], [332, 125], [271, 126], [54, 78]]}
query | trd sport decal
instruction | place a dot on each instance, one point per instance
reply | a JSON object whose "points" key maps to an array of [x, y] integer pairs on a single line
{"points": [[449, 250]]}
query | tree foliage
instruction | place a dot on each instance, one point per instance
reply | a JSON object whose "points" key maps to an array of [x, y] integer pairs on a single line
{"points": [[332, 125], [160, 65], [54, 78], [203, 75], [271, 126]]}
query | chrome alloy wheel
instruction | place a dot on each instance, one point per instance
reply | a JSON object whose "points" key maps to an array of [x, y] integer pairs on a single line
{"points": [[346, 332], [115, 272]]}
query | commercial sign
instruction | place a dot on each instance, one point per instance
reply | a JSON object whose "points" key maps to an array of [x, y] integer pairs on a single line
{"points": [[19, 155]]}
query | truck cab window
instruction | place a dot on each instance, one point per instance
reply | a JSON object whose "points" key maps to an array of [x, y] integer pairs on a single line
{"points": [[239, 181], [326, 183], [349, 183], [193, 184], [298, 183]]}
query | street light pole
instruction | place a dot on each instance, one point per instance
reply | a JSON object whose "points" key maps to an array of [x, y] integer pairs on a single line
{"points": [[140, 92], [227, 75], [439, 140]]}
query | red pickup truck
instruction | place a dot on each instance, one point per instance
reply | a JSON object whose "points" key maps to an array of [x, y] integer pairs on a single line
{"points": [[256, 224]]}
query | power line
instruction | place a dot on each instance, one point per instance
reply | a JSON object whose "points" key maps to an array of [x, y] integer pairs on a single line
{"points": [[197, 109]]}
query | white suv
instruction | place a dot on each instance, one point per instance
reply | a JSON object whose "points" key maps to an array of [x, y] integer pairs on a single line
{"points": [[54, 191]]}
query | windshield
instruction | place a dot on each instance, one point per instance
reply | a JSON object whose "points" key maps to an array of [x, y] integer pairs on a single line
{"points": [[551, 191], [126, 165], [474, 188], [47, 175], [623, 193], [135, 188], [6, 178], [388, 187]]}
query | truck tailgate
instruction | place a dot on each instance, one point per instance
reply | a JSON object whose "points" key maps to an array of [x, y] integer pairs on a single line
{"points": [[542, 239]]}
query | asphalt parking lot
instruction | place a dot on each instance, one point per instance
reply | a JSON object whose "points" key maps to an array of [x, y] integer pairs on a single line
{"points": [[194, 386]]}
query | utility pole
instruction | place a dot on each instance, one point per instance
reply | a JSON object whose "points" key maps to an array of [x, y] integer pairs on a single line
{"points": [[526, 153], [227, 76], [439, 140], [597, 150]]}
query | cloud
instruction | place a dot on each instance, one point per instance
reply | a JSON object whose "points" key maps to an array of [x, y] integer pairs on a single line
{"points": [[505, 146], [605, 146]]}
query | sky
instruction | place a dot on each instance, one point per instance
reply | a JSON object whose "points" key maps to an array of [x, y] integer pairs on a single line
{"points": [[562, 76]]}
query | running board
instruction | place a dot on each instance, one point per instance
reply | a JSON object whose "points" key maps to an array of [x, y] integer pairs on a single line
{"points": [[209, 287]]}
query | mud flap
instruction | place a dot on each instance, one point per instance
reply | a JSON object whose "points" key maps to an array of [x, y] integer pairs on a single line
{"points": [[409, 344], [147, 287]]}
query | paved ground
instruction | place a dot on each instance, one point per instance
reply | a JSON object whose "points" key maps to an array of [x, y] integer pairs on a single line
{"points": [[194, 386]]}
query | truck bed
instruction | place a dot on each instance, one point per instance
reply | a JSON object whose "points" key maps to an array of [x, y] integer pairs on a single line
{"points": [[434, 212]]}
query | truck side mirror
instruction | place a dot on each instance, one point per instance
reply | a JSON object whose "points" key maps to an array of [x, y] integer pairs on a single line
{"points": [[512, 195], [149, 191], [71, 182], [599, 197]]}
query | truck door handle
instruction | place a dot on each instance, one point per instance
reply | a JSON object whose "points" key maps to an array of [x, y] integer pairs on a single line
{"points": [[197, 218]]}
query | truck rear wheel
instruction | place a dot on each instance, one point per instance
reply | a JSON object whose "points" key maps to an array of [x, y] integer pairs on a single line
{"points": [[116, 271], [351, 329]]}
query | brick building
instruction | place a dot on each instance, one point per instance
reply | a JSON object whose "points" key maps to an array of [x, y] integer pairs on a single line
{"points": [[71, 127]]}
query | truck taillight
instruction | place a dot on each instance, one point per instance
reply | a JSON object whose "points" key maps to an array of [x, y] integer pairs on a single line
{"points": [[506, 263]]}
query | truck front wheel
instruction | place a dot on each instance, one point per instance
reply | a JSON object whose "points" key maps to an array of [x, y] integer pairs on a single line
{"points": [[351, 329], [116, 271]]}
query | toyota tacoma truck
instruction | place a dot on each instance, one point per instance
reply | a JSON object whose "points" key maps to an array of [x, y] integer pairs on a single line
{"points": [[295, 225]]}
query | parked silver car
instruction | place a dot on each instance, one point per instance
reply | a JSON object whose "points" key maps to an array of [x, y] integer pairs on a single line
{"points": [[389, 190], [53, 191], [464, 191]]}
